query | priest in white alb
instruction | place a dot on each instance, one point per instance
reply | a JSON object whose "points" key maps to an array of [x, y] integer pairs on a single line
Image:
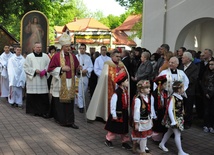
{"points": [[35, 67], [99, 61], [5, 56], [86, 68], [17, 78]]}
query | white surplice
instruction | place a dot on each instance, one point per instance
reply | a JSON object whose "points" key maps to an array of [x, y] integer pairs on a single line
{"points": [[34, 83], [99, 64], [180, 76], [86, 63], [4, 73], [17, 78]]}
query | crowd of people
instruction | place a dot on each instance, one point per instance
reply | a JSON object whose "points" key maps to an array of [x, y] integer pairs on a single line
{"points": [[160, 89]]}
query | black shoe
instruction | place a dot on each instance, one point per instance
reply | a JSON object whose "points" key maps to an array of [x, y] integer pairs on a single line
{"points": [[45, 116], [12, 105], [109, 144], [81, 110], [187, 126], [74, 126], [172, 136], [126, 146], [49, 115], [16, 105], [20, 106]]}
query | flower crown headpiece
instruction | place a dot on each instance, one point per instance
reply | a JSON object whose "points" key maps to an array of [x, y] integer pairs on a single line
{"points": [[143, 84]]}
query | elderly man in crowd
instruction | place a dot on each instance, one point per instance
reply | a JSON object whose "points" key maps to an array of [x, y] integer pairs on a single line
{"points": [[191, 71], [174, 74]]}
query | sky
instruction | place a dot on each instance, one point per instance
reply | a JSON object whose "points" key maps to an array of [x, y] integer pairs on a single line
{"points": [[105, 6]]}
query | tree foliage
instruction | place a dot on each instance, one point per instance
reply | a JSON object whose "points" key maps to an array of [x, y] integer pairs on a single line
{"points": [[11, 12], [135, 7], [111, 21], [58, 12]]}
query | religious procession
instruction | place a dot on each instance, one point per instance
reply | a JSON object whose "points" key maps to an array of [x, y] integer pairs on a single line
{"points": [[154, 94]]}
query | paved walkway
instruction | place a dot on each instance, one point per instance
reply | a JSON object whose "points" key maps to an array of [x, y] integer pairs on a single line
{"points": [[23, 134]]}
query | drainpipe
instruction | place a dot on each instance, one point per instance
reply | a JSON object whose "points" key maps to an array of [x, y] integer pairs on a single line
{"points": [[143, 20], [164, 21]]}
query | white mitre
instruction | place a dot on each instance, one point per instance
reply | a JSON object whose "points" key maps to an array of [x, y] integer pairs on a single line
{"points": [[65, 39]]}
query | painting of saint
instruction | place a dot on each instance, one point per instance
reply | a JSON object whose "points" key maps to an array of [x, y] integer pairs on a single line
{"points": [[35, 31], [34, 28]]}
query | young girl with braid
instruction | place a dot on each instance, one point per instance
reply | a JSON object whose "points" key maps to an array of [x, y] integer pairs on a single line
{"points": [[143, 112], [160, 102], [174, 120]]}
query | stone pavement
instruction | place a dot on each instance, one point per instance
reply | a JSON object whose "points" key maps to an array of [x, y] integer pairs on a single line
{"points": [[23, 134]]}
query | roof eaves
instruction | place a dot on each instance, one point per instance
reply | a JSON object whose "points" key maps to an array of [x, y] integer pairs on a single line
{"points": [[9, 34]]}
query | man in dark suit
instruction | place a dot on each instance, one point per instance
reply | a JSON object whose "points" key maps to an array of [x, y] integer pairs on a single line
{"points": [[206, 56], [180, 53], [126, 59], [191, 71]]}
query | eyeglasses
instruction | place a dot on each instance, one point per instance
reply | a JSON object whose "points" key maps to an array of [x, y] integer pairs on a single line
{"points": [[211, 64]]}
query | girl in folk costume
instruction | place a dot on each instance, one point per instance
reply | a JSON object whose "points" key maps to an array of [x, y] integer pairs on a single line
{"points": [[143, 112], [174, 120], [117, 122], [160, 103]]}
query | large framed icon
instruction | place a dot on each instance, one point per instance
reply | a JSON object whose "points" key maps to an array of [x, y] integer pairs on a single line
{"points": [[34, 28]]}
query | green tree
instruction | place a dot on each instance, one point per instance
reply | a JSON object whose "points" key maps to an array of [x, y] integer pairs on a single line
{"points": [[59, 12], [110, 21], [134, 7], [98, 15], [114, 21], [11, 12]]}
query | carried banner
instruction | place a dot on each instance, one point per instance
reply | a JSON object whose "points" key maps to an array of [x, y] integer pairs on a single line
{"points": [[34, 28]]}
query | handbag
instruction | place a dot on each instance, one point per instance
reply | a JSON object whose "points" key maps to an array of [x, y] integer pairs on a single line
{"points": [[145, 125]]}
